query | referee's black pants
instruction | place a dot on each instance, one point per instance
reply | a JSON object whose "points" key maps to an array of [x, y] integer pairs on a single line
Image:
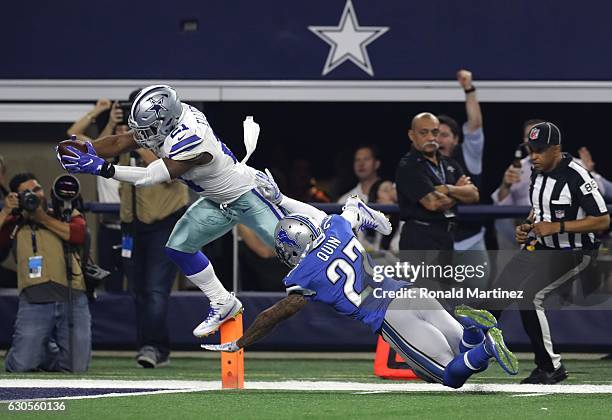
{"points": [[538, 274]]}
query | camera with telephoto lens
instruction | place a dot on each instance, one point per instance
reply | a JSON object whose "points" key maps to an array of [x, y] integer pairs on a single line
{"points": [[28, 201], [67, 196]]}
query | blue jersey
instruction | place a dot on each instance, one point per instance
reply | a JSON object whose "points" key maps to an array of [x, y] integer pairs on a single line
{"points": [[339, 273]]}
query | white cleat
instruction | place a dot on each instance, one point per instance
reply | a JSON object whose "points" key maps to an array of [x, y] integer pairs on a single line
{"points": [[217, 315], [368, 218]]}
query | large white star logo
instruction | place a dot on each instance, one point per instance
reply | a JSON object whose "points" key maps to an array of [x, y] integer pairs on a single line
{"points": [[348, 41]]}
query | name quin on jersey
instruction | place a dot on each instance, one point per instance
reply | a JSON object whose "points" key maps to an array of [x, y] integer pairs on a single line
{"points": [[328, 248]]}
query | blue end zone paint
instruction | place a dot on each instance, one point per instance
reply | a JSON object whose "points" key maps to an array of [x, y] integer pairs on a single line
{"points": [[13, 394]]}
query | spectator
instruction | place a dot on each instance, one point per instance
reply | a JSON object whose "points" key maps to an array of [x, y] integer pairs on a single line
{"points": [[148, 215], [366, 163], [41, 339], [109, 228], [429, 185], [605, 186], [372, 189], [468, 154]]}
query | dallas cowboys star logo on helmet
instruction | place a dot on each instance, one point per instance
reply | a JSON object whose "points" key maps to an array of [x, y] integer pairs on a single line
{"points": [[157, 105]]}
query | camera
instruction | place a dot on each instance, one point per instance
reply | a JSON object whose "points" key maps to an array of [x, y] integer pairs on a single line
{"points": [[66, 188], [126, 108], [28, 200]]}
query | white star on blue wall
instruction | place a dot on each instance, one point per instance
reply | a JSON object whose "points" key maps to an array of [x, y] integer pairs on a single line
{"points": [[348, 41]]}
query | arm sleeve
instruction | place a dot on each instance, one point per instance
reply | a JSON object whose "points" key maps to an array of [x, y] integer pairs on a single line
{"points": [[473, 146], [155, 173], [411, 182], [295, 206], [78, 229]]}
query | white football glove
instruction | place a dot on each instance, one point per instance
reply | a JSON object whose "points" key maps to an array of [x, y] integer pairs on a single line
{"points": [[267, 187], [230, 347]]}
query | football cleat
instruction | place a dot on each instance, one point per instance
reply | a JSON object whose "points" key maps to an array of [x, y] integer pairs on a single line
{"points": [[217, 315], [475, 318], [495, 347], [368, 218]]}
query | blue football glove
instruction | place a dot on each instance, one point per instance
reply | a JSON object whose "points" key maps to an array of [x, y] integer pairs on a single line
{"points": [[83, 163], [267, 187]]}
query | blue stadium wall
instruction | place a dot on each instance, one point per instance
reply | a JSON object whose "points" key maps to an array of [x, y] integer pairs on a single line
{"points": [[270, 39]]}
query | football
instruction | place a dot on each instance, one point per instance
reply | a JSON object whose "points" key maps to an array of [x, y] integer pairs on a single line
{"points": [[77, 144]]}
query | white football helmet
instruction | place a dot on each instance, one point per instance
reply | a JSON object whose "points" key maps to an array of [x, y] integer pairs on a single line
{"points": [[154, 114]]}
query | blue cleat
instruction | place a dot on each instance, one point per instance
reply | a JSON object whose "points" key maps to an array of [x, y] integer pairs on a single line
{"points": [[495, 346], [475, 318]]}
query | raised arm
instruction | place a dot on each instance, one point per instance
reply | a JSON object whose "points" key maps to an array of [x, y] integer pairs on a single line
{"points": [[80, 125], [472, 107]]}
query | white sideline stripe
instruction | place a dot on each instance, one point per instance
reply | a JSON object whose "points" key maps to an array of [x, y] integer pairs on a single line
{"points": [[195, 386]]}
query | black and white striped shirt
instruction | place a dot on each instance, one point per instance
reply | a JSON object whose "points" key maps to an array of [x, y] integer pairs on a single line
{"points": [[568, 192]]}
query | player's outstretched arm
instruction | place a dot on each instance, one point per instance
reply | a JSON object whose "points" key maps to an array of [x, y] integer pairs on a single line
{"points": [[111, 146], [264, 323], [268, 319], [267, 187]]}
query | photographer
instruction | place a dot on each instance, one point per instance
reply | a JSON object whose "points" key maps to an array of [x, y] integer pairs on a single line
{"points": [[109, 227], [41, 339]]}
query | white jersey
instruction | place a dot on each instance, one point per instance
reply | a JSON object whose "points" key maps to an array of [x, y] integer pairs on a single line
{"points": [[223, 179]]}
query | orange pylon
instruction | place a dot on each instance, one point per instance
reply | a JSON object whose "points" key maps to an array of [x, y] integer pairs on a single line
{"points": [[232, 364]]}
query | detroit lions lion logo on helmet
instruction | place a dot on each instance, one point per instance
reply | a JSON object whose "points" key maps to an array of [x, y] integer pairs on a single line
{"points": [[284, 238]]}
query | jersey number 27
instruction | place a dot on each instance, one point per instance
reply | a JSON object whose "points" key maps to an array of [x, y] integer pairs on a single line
{"points": [[347, 269]]}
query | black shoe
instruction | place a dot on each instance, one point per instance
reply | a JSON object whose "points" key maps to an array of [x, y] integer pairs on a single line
{"points": [[607, 357], [147, 357], [539, 376]]}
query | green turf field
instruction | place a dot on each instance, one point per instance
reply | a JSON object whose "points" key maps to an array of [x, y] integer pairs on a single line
{"points": [[280, 404]]}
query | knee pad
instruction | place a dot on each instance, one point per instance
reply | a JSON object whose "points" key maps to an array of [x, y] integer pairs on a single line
{"points": [[190, 264]]}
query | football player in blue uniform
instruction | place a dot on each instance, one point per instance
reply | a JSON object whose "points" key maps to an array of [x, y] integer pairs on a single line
{"points": [[331, 266]]}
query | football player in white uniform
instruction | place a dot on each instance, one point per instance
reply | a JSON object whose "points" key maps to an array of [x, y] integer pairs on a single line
{"points": [[189, 150]]}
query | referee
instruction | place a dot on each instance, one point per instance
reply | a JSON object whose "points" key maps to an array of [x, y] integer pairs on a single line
{"points": [[567, 209], [429, 186]]}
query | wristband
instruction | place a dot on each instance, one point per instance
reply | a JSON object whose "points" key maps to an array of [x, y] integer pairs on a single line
{"points": [[107, 170], [561, 226], [470, 90]]}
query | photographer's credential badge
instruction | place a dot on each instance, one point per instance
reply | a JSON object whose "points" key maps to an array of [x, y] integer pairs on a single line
{"points": [[127, 245], [35, 266]]}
